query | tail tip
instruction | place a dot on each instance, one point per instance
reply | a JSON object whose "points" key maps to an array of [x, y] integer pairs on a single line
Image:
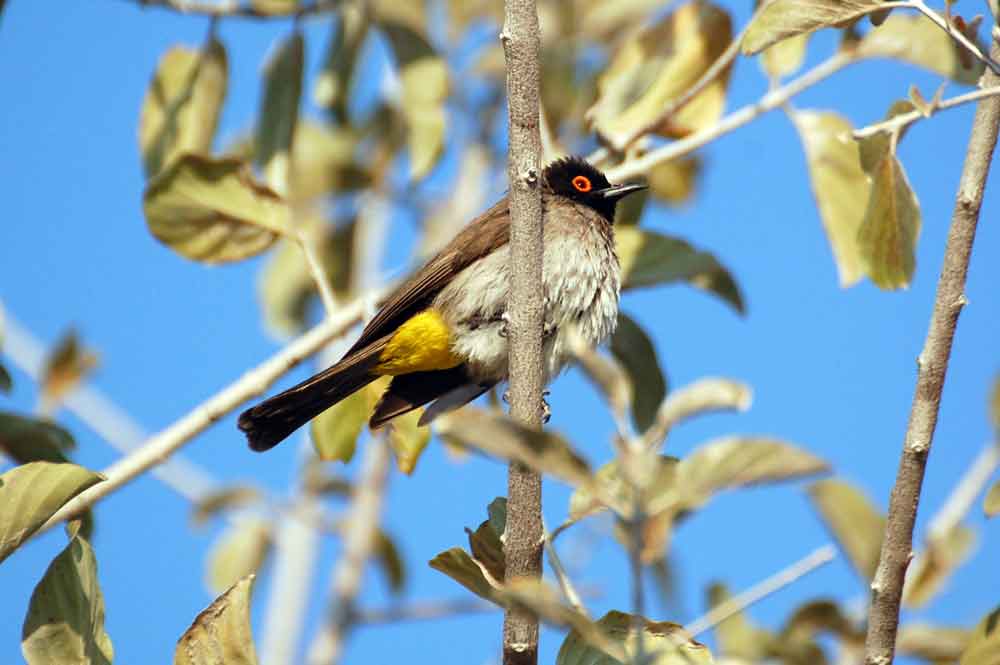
{"points": [[258, 437]]}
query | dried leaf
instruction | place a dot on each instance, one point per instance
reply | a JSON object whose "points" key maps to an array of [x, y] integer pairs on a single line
{"points": [[656, 66], [852, 520], [228, 497], [913, 38], [240, 551], [839, 185], [211, 210], [991, 503], [780, 19], [181, 108], [335, 432], [65, 366], [334, 82], [221, 634], [499, 435], [649, 258], [279, 112], [785, 57], [32, 493], [65, 620], [984, 643], [664, 643], [934, 644], [389, 561], [27, 440], [633, 348], [930, 570], [459, 566], [888, 235]]}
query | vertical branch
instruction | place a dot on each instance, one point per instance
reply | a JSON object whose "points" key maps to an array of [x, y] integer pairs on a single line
{"points": [[523, 547], [887, 587]]}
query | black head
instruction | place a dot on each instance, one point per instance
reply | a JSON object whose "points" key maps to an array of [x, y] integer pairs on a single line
{"points": [[576, 179]]}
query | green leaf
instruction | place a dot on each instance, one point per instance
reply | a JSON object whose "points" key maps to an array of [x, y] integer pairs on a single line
{"points": [[181, 108], [499, 435], [991, 502], [485, 542], [221, 634], [65, 366], [389, 561], [943, 555], [888, 235], [649, 258], [6, 384], [28, 440], [839, 185], [423, 76], [335, 432], [633, 348], [240, 551], [334, 82], [211, 210], [224, 499], [852, 519], [459, 566], [780, 19], [65, 620], [663, 642], [30, 494], [279, 112], [914, 39], [984, 644], [408, 440]]}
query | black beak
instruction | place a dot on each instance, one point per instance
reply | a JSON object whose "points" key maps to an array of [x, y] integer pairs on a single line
{"points": [[616, 192]]}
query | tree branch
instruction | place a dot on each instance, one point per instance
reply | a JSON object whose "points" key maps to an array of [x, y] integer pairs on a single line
{"points": [[521, 41], [904, 119], [955, 34], [233, 9], [887, 586]]}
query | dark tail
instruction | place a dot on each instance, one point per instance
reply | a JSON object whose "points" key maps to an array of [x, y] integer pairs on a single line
{"points": [[273, 420], [411, 391]]}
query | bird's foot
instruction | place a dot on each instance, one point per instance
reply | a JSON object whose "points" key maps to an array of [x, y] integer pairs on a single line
{"points": [[546, 409]]}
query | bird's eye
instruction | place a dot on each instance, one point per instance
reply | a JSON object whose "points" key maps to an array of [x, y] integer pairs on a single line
{"points": [[581, 183]]}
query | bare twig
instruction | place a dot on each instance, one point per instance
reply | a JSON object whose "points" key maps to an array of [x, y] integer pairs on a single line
{"points": [[896, 123], [770, 101], [818, 557], [160, 447], [521, 41], [968, 489], [887, 586], [955, 34], [307, 242], [359, 541], [565, 583], [234, 9], [423, 611]]}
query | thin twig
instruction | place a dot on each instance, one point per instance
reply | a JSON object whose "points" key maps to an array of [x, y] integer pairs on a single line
{"points": [[887, 586], [307, 243], [966, 491], [521, 40], [160, 447], [423, 611], [896, 123], [818, 557], [955, 34], [359, 541], [770, 101], [565, 583], [231, 9]]}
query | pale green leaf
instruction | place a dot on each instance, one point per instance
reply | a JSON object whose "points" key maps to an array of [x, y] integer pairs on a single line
{"points": [[699, 398], [275, 7], [334, 82], [873, 149], [240, 551], [648, 258], [325, 161], [839, 185], [663, 642], [633, 348], [28, 440], [408, 439], [673, 182], [984, 643], [335, 432], [611, 490], [459, 566], [785, 57], [888, 235], [736, 636], [780, 19], [934, 644], [853, 521], [65, 620], [30, 494], [991, 503], [211, 210], [485, 542], [915, 39], [994, 404], [221, 634], [181, 108], [943, 555], [212, 504], [279, 112]]}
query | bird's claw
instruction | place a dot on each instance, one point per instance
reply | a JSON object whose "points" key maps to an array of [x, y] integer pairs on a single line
{"points": [[546, 409]]}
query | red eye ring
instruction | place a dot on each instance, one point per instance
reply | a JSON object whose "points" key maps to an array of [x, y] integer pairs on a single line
{"points": [[582, 183]]}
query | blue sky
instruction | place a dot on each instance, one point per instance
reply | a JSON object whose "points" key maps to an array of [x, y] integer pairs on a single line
{"points": [[832, 369]]}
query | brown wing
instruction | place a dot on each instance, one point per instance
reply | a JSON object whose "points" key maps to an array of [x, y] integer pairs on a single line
{"points": [[480, 237]]}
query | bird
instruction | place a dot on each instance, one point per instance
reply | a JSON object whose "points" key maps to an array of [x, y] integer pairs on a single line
{"points": [[442, 334]]}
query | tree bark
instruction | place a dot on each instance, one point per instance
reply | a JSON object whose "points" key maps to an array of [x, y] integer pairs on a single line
{"points": [[887, 586]]}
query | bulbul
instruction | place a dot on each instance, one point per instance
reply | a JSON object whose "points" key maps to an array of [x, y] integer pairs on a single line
{"points": [[442, 335]]}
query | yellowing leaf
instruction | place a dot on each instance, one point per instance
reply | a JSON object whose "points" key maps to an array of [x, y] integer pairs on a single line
{"points": [[672, 182], [610, 489], [335, 432], [65, 620], [605, 20], [181, 108], [994, 405], [389, 561], [654, 68], [211, 210], [275, 7], [839, 185], [736, 635], [934, 644], [66, 365], [485, 542], [334, 81], [221, 635], [27, 440], [240, 551], [888, 235], [699, 398], [279, 112], [873, 149], [780, 19], [854, 522], [663, 642], [30, 494], [943, 555], [408, 440], [915, 39], [991, 503], [229, 497], [785, 57], [649, 258], [459, 566], [633, 348], [324, 158], [984, 643]]}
